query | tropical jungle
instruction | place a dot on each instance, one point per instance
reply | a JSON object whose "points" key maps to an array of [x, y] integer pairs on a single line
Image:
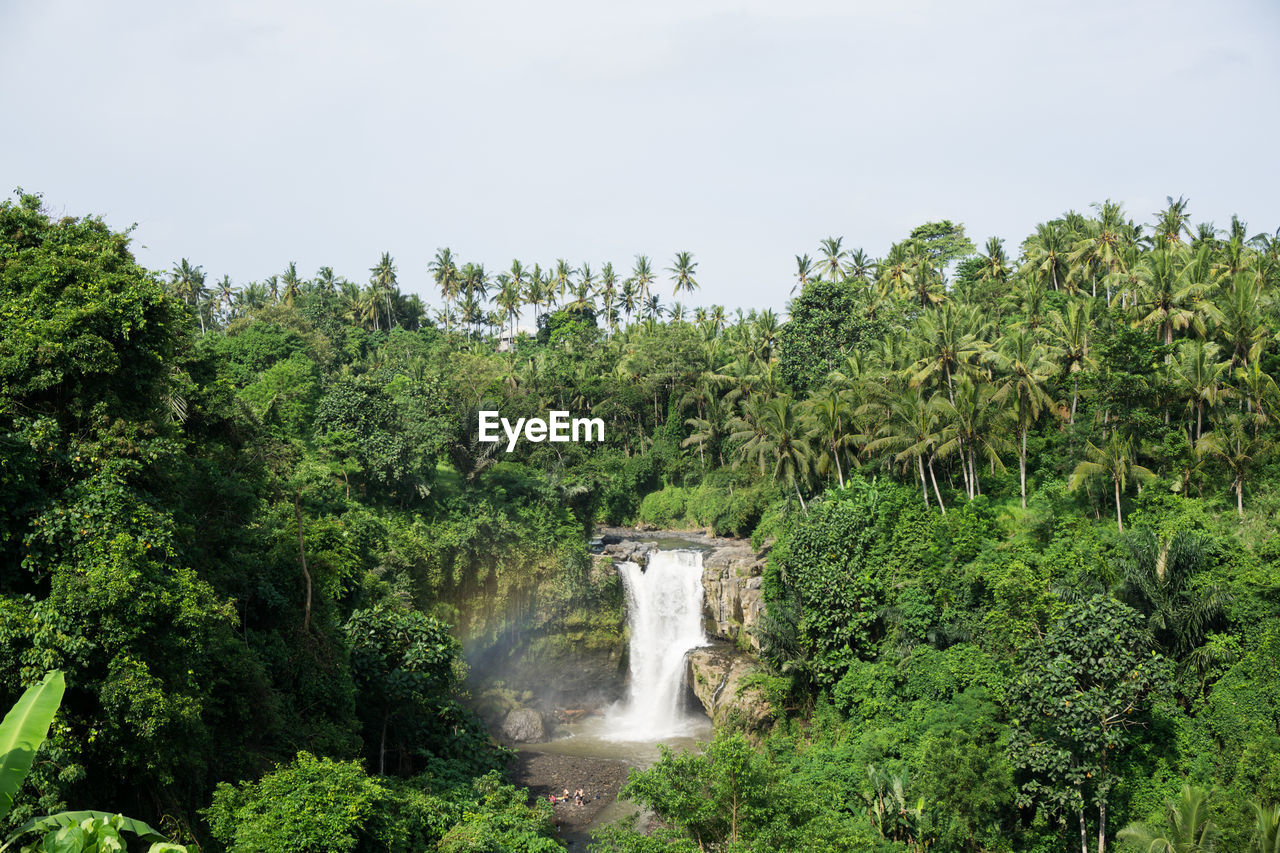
{"points": [[1016, 504]]}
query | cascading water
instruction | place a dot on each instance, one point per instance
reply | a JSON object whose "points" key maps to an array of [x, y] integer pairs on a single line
{"points": [[664, 604]]}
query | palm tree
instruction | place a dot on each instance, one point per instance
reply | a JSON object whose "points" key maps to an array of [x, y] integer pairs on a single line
{"points": [[1241, 326], [896, 273], [1198, 374], [1025, 363], [383, 281], [970, 429], [993, 267], [1097, 251], [830, 415], [533, 291], [1173, 222], [804, 272], [187, 282], [1187, 828], [912, 430], [1070, 333], [786, 442], [642, 275], [682, 269], [860, 266], [292, 284], [833, 256], [1046, 253], [1241, 449], [1260, 393], [253, 296], [509, 299], [927, 280], [226, 295], [474, 283], [709, 429], [949, 344], [1159, 583], [1114, 460], [609, 295], [562, 278], [444, 271], [1266, 833], [326, 280], [1173, 286], [631, 298]]}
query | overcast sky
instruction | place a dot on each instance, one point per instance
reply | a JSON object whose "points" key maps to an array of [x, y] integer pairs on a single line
{"points": [[243, 135]]}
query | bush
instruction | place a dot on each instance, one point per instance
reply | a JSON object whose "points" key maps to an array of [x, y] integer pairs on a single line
{"points": [[314, 804], [664, 508]]}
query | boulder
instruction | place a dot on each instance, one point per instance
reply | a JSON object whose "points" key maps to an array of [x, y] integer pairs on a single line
{"points": [[524, 725], [716, 673]]}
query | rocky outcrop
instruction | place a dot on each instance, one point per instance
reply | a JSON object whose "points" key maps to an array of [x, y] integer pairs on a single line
{"points": [[732, 602], [716, 675], [524, 725]]}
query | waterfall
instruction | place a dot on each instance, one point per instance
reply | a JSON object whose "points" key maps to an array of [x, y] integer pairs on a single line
{"points": [[664, 607]]}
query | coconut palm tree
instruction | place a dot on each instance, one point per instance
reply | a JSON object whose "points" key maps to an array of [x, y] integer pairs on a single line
{"points": [[1159, 583], [1240, 448], [786, 443], [562, 278], [860, 266], [831, 417], [1025, 369], [609, 295], [971, 430], [226, 295], [1070, 333], [383, 281], [444, 271], [913, 431], [1241, 325], [533, 291], [509, 298], [326, 281], [187, 283], [804, 272], [682, 269], [1045, 253], [1173, 288], [1172, 223], [1096, 252], [1113, 461], [949, 346], [833, 257], [1199, 375]]}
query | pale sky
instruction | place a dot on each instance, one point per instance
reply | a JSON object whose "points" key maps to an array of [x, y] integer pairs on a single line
{"points": [[243, 135]]}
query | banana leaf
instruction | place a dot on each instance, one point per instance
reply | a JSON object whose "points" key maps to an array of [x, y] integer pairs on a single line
{"points": [[23, 730]]}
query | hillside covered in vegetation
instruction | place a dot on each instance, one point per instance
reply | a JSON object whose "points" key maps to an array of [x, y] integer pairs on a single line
{"points": [[1022, 590]]}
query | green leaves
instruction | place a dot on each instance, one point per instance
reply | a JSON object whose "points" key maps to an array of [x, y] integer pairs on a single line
{"points": [[23, 730]]}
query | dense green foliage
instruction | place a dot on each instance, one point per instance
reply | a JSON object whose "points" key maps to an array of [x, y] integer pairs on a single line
{"points": [[1021, 589]]}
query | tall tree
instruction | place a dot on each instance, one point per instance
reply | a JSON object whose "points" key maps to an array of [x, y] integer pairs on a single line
{"points": [[682, 270], [1113, 461], [1023, 387]]}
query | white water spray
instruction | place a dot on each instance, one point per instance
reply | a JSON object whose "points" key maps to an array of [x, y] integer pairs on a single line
{"points": [[664, 604]]}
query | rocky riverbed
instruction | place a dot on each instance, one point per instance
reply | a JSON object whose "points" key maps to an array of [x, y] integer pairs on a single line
{"points": [[548, 773]]}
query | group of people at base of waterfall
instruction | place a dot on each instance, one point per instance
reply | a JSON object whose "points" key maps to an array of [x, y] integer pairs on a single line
{"points": [[579, 797]]}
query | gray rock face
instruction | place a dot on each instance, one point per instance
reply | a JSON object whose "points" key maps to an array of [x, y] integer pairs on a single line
{"points": [[731, 583], [716, 675], [524, 725]]}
